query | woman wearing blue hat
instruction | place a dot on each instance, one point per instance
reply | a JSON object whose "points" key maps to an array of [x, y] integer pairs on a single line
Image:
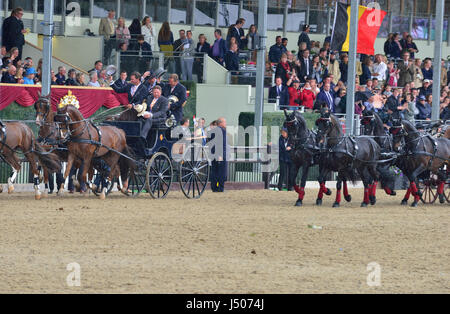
{"points": [[29, 76]]}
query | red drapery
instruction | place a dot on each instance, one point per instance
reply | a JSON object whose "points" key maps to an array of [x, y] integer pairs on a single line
{"points": [[90, 98]]}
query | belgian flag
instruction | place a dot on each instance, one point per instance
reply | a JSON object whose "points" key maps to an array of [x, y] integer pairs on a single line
{"points": [[369, 23]]}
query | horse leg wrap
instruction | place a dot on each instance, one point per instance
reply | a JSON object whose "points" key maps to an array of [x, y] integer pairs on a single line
{"points": [[414, 189], [345, 189], [321, 191], [440, 189], [338, 196], [37, 194], [366, 196], [387, 190], [374, 188], [300, 191], [408, 193]]}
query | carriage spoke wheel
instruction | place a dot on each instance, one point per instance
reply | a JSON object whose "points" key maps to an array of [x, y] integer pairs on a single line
{"points": [[159, 175], [429, 192], [136, 181], [194, 171]]}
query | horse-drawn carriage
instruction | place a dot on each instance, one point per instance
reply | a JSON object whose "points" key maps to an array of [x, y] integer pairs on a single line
{"points": [[163, 158]]}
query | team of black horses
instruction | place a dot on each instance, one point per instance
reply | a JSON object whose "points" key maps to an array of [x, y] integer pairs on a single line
{"points": [[368, 157]]}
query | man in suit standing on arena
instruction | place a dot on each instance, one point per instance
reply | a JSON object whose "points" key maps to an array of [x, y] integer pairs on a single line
{"points": [[175, 88], [219, 166], [13, 31]]}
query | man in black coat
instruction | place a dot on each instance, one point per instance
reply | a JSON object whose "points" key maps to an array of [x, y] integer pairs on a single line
{"points": [[219, 165], [232, 59], [122, 80], [136, 91], [304, 38], [238, 33], [280, 92], [9, 77], [13, 30], [175, 88], [143, 51], [287, 171], [156, 113], [306, 68]]}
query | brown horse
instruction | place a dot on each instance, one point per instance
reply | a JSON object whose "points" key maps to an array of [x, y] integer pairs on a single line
{"points": [[86, 141], [15, 137]]}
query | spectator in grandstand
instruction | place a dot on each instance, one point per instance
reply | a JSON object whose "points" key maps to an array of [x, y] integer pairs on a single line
{"points": [[53, 78], [427, 69], [424, 108], [219, 48], [343, 67], [10, 76], [408, 108], [29, 76], [294, 92], [165, 39], [178, 46], [284, 43], [279, 93], [379, 69], [307, 96], [98, 67], [410, 46], [61, 76], [252, 37], [276, 51], [445, 110], [126, 59], [135, 29], [403, 40], [237, 32], [406, 70], [366, 75], [387, 44], [306, 70], [14, 55], [318, 69], [13, 31], [326, 96], [107, 29], [340, 102], [393, 101], [314, 88], [28, 63], [395, 51], [304, 38], [93, 79], [148, 32], [333, 67], [122, 32], [203, 49], [174, 87], [143, 53], [393, 74], [232, 59], [103, 79], [284, 69], [122, 80], [71, 77], [79, 81], [418, 75], [187, 60], [426, 88]]}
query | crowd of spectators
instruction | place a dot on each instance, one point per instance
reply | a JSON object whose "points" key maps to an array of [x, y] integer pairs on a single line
{"points": [[396, 82]]}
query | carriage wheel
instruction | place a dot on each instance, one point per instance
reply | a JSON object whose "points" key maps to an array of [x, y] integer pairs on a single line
{"points": [[159, 175], [136, 181], [429, 193], [194, 171]]}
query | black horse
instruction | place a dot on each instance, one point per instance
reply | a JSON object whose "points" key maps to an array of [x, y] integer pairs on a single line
{"points": [[420, 152], [303, 152], [343, 154], [372, 125]]}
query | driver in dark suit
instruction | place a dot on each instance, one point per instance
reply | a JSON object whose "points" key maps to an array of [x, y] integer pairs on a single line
{"points": [[175, 88], [156, 113]]}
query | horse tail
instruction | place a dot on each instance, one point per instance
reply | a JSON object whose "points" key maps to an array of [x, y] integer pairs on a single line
{"points": [[49, 161], [126, 164]]}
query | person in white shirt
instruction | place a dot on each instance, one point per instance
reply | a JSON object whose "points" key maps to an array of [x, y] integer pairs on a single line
{"points": [[379, 69], [93, 79], [148, 32]]}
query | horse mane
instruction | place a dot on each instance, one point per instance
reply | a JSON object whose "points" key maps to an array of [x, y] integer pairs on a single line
{"points": [[410, 128], [379, 124], [337, 124]]}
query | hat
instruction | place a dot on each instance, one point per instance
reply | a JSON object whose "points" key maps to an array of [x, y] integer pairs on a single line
{"points": [[422, 97], [284, 130], [426, 81], [140, 108], [30, 71]]}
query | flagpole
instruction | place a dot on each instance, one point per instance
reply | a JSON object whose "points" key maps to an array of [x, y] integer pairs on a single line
{"points": [[437, 59], [351, 84]]}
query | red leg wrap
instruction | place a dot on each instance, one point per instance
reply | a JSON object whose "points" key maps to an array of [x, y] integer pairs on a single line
{"points": [[374, 188], [388, 191], [345, 188], [408, 193], [440, 189], [366, 195], [322, 187], [338, 196], [414, 189]]}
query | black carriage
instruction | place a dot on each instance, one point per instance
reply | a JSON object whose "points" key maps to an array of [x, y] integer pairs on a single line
{"points": [[162, 160]]}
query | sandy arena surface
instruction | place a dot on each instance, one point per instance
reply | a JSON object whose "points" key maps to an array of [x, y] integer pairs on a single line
{"points": [[236, 242]]}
